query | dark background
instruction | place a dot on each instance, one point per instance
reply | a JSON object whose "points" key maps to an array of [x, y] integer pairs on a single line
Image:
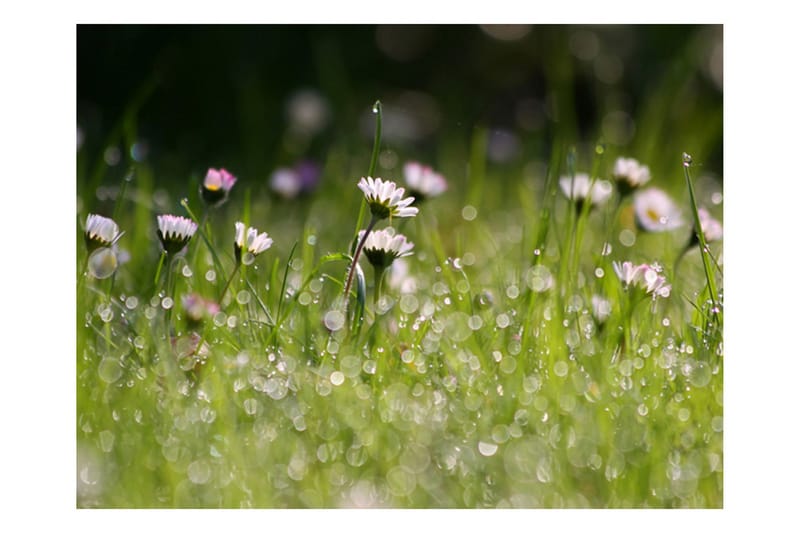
{"points": [[200, 96]]}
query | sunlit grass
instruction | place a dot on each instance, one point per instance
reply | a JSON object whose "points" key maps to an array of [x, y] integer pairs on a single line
{"points": [[482, 377]]}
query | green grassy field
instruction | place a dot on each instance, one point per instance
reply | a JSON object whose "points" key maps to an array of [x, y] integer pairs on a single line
{"points": [[481, 376]]}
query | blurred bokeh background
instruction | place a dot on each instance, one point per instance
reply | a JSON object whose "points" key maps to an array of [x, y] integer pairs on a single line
{"points": [[256, 98]]}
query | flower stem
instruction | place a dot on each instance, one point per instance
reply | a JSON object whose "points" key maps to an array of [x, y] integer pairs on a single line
{"points": [[712, 287], [170, 291], [227, 283], [379, 272], [356, 254], [158, 270]]}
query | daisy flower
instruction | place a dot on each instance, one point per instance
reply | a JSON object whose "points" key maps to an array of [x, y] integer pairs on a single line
{"points": [[251, 241], [216, 186], [385, 199], [645, 277], [422, 181], [580, 188], [629, 175], [100, 232], [175, 232], [655, 211], [382, 247]]}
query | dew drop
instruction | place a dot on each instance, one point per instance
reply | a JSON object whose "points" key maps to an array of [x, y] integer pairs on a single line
{"points": [[251, 406], [167, 302], [243, 297], [186, 271], [211, 276], [102, 263], [369, 366], [334, 320], [487, 449], [131, 302], [109, 369], [106, 441], [627, 238], [502, 321], [560, 369], [469, 213], [337, 378], [199, 472]]}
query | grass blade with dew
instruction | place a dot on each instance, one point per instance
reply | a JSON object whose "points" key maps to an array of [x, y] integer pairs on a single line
{"points": [[711, 283]]}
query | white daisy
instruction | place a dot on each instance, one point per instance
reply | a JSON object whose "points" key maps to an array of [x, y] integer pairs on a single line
{"points": [[580, 188], [100, 231], [385, 199], [422, 181], [251, 241], [175, 232], [382, 247], [655, 211], [630, 174]]}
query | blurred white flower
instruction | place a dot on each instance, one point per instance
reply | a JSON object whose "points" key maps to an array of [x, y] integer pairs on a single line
{"points": [[712, 228], [251, 241], [291, 182], [422, 181], [285, 182], [601, 308], [399, 277], [385, 199], [655, 211], [175, 232], [630, 174], [383, 246], [308, 111], [645, 277], [581, 187]]}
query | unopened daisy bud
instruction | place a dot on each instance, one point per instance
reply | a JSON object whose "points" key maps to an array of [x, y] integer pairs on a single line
{"points": [[630, 175], [422, 181], [655, 211], [100, 232], [251, 241], [580, 188], [216, 186], [175, 232], [385, 199], [382, 247]]}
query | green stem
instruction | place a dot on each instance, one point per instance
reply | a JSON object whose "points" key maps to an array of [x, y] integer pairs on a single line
{"points": [[227, 283], [712, 286], [379, 272], [373, 163], [170, 290], [158, 269], [352, 270], [201, 230]]}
